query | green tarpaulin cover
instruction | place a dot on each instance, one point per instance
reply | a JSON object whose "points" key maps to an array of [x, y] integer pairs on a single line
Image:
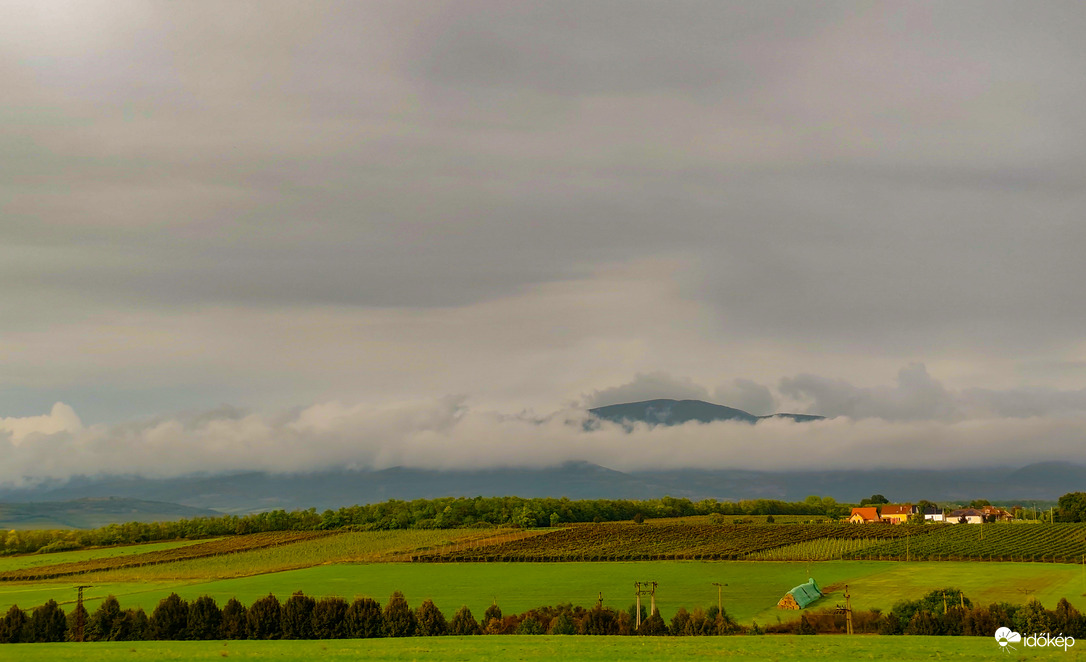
{"points": [[807, 593]]}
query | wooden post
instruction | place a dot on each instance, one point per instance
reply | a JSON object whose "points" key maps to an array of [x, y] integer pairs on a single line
{"points": [[637, 592], [652, 596]]}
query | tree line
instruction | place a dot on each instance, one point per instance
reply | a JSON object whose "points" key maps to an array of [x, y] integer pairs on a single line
{"points": [[304, 617], [945, 612], [442, 513]]}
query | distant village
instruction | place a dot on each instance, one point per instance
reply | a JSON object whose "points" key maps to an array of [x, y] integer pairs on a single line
{"points": [[908, 513]]}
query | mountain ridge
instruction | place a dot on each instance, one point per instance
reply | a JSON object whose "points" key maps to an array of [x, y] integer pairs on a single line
{"points": [[665, 411]]}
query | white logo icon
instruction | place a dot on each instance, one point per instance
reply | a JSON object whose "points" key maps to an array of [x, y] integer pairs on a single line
{"points": [[1005, 637]]}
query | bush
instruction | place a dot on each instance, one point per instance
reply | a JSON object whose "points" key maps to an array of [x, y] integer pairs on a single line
{"points": [[562, 624], [529, 626]]}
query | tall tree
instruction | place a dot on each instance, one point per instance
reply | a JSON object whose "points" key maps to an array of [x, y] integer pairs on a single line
{"points": [[47, 623], [170, 618], [264, 618], [14, 626], [205, 619], [330, 618], [234, 620], [463, 623], [400, 621], [365, 620], [431, 622], [298, 617], [101, 623]]}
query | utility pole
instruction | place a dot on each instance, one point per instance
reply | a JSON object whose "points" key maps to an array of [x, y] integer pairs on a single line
{"points": [[944, 602], [650, 590], [599, 603], [846, 610], [79, 610], [719, 600]]}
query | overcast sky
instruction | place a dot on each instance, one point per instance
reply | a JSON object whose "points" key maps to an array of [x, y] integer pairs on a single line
{"points": [[490, 212]]}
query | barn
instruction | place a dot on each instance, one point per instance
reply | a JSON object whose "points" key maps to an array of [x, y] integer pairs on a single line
{"points": [[801, 596]]}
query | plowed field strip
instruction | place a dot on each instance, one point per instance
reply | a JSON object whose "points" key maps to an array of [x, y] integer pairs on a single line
{"points": [[198, 551]]}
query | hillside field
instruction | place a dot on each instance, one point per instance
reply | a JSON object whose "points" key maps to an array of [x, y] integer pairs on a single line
{"points": [[374, 564]]}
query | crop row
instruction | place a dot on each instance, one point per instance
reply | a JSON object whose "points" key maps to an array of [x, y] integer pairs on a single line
{"points": [[659, 541], [1060, 543]]}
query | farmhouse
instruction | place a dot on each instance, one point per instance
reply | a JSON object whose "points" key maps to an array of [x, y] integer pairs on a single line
{"points": [[994, 514], [897, 514], [800, 596], [966, 516], [864, 515], [932, 514]]}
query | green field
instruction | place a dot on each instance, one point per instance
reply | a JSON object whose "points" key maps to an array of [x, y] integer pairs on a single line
{"points": [[539, 648], [752, 592], [21, 561]]}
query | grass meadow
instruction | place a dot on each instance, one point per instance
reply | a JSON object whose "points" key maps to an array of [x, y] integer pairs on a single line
{"points": [[539, 648], [751, 594]]}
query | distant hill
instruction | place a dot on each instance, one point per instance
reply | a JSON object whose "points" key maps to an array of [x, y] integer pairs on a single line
{"points": [[93, 512], [253, 492], [677, 412]]}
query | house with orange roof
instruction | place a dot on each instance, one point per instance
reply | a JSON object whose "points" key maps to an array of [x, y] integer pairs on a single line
{"points": [[865, 515], [897, 513]]}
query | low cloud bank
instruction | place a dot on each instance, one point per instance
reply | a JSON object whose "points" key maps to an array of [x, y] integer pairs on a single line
{"points": [[447, 434], [918, 397]]}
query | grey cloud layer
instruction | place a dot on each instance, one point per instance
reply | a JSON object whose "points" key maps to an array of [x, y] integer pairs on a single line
{"points": [[269, 204]]}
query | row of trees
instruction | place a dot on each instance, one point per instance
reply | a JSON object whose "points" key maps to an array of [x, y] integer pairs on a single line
{"points": [[941, 612], [303, 617], [443, 513]]}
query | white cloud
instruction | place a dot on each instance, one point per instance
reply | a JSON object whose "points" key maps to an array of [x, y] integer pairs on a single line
{"points": [[446, 434], [61, 419]]}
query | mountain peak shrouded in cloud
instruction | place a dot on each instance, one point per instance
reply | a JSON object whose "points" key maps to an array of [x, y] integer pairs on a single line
{"points": [[677, 412], [904, 425]]}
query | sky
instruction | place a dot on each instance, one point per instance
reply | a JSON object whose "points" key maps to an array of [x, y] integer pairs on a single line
{"points": [[288, 236]]}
